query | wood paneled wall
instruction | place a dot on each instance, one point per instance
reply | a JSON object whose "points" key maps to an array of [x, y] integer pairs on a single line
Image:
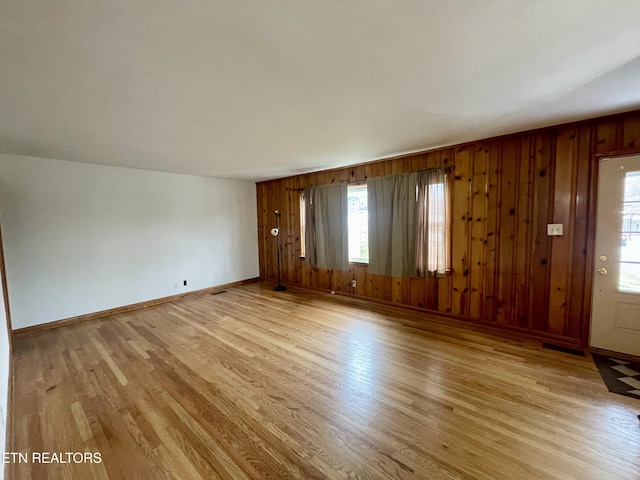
{"points": [[506, 271]]}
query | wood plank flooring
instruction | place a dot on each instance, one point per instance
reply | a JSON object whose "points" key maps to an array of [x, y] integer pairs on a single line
{"points": [[256, 384]]}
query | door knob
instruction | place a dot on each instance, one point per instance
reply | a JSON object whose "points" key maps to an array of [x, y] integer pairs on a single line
{"points": [[602, 271], [603, 258]]}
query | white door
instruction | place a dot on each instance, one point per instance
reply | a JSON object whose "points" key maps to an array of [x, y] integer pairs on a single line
{"points": [[615, 311]]}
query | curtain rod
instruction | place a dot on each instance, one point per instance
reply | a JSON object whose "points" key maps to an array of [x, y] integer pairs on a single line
{"points": [[446, 169]]}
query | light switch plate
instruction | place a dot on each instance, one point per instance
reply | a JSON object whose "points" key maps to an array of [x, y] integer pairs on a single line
{"points": [[554, 229]]}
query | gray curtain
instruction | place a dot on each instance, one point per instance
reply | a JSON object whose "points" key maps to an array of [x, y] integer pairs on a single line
{"points": [[392, 227], [326, 231], [433, 224]]}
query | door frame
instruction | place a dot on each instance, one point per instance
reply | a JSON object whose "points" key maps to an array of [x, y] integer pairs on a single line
{"points": [[591, 235], [5, 291]]}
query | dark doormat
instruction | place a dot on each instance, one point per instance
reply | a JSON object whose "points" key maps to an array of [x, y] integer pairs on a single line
{"points": [[620, 376]]}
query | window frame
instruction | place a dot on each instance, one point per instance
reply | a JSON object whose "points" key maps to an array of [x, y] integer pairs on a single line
{"points": [[353, 261], [302, 202], [448, 222], [359, 261]]}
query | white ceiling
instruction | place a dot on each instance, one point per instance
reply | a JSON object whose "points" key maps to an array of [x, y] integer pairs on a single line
{"points": [[257, 89]]}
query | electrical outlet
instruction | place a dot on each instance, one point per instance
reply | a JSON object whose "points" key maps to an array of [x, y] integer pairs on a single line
{"points": [[176, 285], [184, 282], [554, 229], [353, 283]]}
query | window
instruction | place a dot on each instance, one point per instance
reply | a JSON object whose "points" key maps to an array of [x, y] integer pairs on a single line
{"points": [[434, 223], [358, 221], [410, 224], [303, 222], [629, 280]]}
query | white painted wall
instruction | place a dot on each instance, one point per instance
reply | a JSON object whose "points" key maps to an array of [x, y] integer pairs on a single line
{"points": [[80, 238], [4, 375]]}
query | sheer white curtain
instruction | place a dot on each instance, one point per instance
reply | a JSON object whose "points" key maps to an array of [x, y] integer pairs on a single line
{"points": [[392, 226], [432, 240], [326, 228]]}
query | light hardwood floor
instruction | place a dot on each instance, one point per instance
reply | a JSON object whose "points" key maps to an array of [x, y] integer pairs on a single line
{"points": [[257, 384]]}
